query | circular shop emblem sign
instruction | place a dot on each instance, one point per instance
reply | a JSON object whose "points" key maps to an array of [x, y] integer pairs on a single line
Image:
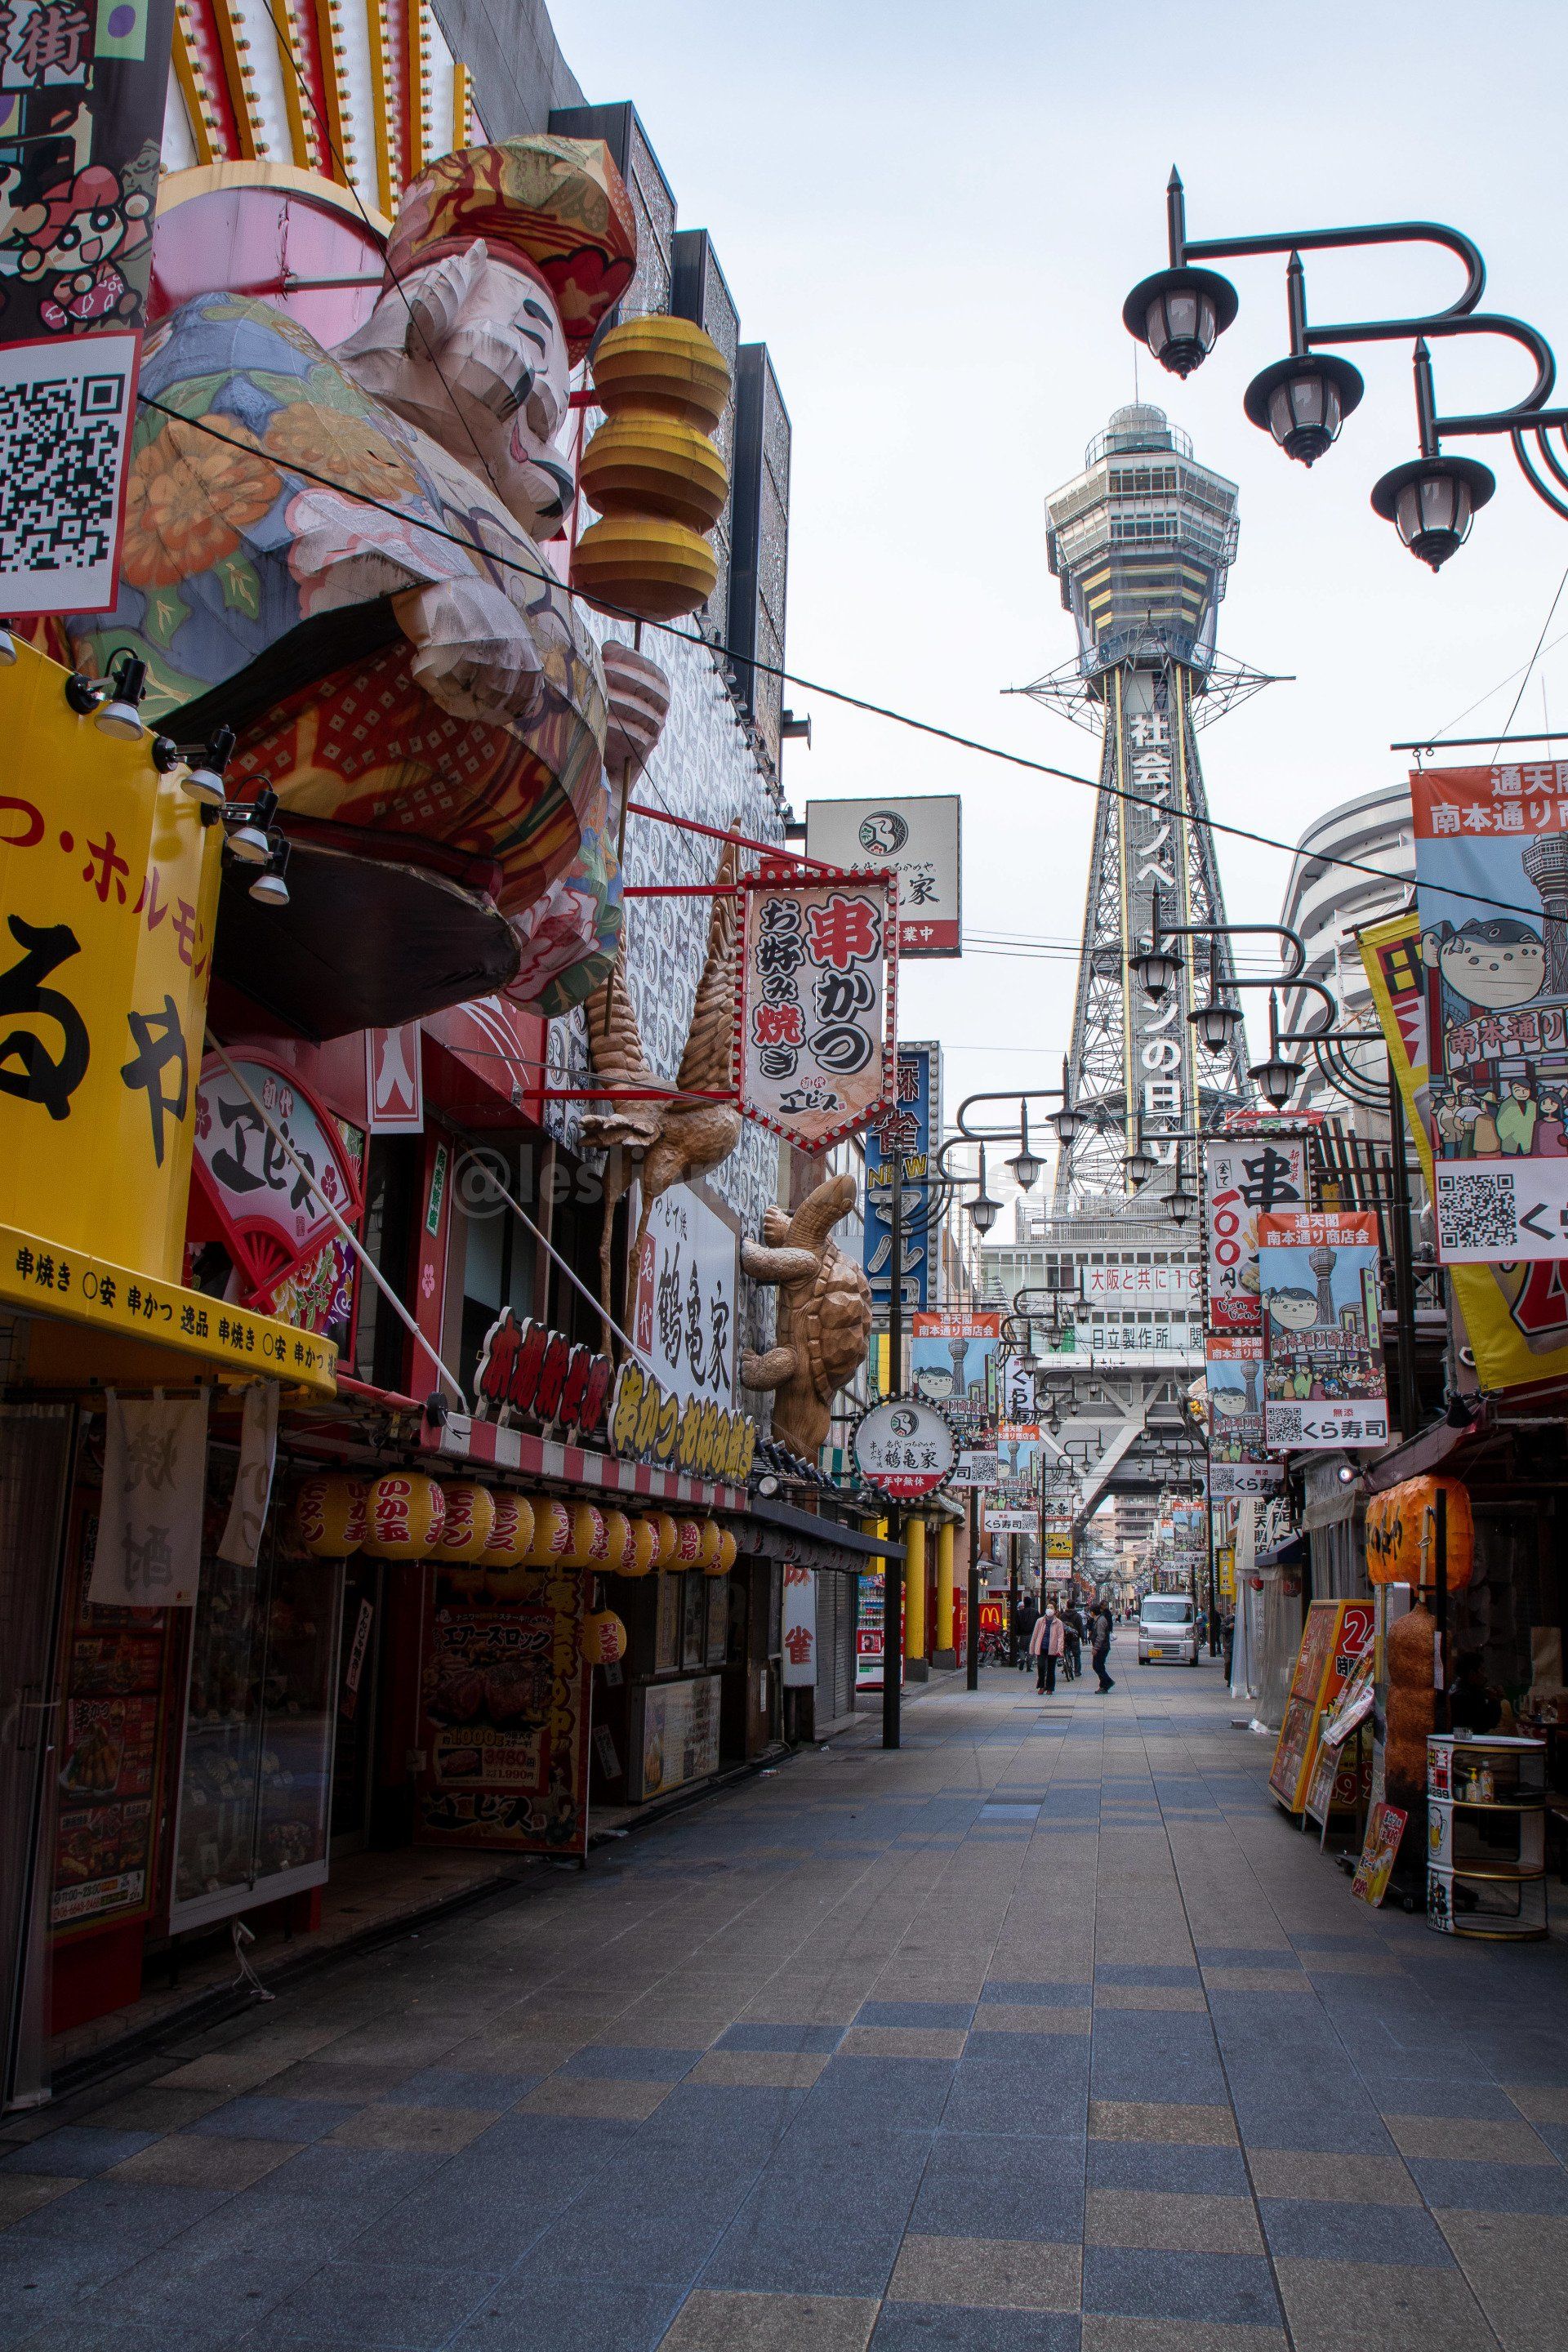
{"points": [[904, 1448], [883, 834]]}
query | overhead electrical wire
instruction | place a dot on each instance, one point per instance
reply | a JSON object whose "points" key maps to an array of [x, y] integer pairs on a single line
{"points": [[904, 718]]}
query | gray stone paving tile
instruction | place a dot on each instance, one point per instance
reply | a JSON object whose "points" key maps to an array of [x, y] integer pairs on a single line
{"points": [[1172, 2221], [1318, 2228], [950, 2327], [76, 2150], [1236, 2289], [1103, 2333], [1335, 2178], [723, 2320], [1376, 2308], [411, 2307], [986, 2274], [1468, 2140]]}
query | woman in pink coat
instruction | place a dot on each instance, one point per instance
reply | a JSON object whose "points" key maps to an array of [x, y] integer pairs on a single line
{"points": [[1046, 1644]]}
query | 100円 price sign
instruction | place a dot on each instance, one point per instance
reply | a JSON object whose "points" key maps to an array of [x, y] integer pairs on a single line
{"points": [[904, 1448], [815, 1003]]}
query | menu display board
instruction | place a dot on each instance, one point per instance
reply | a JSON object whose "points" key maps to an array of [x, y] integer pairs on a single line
{"points": [[1337, 1636], [504, 1701], [114, 1664], [675, 1734]]}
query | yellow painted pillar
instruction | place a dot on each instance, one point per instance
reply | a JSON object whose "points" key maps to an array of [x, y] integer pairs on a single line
{"points": [[944, 1641], [915, 1589]]}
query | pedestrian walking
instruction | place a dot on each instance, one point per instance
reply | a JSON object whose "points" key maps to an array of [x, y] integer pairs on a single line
{"points": [[1046, 1644], [1028, 1617], [1100, 1647], [1072, 1656]]}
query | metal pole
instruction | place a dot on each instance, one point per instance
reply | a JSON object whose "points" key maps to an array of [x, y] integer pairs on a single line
{"points": [[892, 1570], [1013, 1600], [1404, 1266], [971, 1622]]}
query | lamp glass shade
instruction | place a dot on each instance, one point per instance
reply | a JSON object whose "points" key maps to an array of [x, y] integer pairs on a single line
{"points": [[1217, 1025], [1432, 502], [1155, 972], [983, 1211], [1067, 1122], [1179, 327]]}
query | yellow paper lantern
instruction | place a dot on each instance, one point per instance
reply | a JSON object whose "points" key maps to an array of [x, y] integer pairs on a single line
{"points": [[688, 1543], [669, 365], [638, 1557], [708, 1552], [728, 1548], [465, 1524], [604, 1638], [404, 1512], [617, 1542], [329, 1518], [654, 465], [553, 1533], [590, 1543], [511, 1531], [666, 1542], [646, 564]]}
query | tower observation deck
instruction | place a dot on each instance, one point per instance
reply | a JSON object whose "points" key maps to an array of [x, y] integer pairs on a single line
{"points": [[1143, 542]]}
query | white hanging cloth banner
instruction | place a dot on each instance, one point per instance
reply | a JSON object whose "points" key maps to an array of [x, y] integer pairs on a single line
{"points": [[253, 1485], [799, 1629], [148, 1550]]}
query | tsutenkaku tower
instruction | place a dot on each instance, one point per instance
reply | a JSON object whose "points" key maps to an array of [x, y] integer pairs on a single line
{"points": [[1143, 542]]}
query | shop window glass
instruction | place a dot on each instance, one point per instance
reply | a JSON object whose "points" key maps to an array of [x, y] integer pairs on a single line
{"points": [[391, 1191], [255, 1780]]}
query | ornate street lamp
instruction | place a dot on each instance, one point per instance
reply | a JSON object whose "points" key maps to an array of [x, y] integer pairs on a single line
{"points": [[1025, 1165], [1304, 400], [982, 1210], [1432, 502], [1276, 1074]]}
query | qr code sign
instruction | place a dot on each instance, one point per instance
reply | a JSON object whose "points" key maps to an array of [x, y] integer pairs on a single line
{"points": [[1478, 1210], [66, 412]]}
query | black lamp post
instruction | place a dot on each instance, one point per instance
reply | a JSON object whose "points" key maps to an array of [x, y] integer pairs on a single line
{"points": [[1303, 399]]}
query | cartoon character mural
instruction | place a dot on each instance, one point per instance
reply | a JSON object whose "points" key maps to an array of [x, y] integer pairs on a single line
{"points": [[340, 553]]}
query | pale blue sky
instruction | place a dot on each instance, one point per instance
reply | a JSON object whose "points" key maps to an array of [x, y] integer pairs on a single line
{"points": [[932, 215]]}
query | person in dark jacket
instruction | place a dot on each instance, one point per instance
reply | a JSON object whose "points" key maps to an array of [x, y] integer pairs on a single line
{"points": [[1028, 1613], [1072, 1626], [1100, 1647]]}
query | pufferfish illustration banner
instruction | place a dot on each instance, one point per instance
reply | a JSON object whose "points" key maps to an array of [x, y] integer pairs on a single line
{"points": [[1491, 866]]}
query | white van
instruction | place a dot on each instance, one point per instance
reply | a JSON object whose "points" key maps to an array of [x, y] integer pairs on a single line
{"points": [[1168, 1628]]}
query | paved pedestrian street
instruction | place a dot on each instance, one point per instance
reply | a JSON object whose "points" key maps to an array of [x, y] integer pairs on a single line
{"points": [[1047, 2032]]}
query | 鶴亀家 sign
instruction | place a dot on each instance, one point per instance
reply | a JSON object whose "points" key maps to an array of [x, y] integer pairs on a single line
{"points": [[904, 1448], [814, 1005], [919, 838]]}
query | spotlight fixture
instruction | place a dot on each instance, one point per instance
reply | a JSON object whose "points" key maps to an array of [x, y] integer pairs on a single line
{"points": [[111, 702]]}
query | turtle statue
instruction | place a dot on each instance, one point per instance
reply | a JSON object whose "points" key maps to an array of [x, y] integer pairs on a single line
{"points": [[824, 1315]]}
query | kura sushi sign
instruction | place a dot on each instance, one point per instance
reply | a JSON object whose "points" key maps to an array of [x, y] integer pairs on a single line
{"points": [[814, 1004]]}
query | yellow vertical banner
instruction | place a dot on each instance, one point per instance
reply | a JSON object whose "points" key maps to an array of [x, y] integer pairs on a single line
{"points": [[109, 883]]}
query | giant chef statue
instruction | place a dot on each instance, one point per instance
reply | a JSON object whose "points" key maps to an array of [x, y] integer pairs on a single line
{"points": [[338, 553]]}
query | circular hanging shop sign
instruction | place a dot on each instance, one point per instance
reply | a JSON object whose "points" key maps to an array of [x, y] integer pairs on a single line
{"points": [[904, 1448]]}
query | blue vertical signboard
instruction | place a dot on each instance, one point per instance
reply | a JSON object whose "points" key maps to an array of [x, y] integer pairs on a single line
{"points": [[905, 1140]]}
